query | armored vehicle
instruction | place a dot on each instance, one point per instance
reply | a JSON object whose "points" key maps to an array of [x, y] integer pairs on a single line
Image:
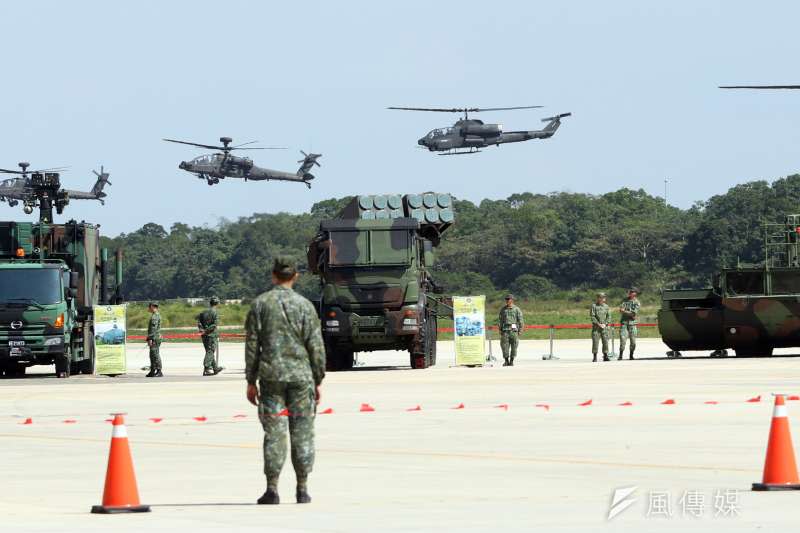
{"points": [[51, 276], [751, 309], [374, 264]]}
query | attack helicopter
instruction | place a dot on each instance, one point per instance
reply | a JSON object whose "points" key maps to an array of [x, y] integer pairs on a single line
{"points": [[42, 189], [221, 165], [468, 136]]}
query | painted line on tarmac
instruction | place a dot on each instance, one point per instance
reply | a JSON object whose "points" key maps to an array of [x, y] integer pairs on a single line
{"points": [[411, 453]]}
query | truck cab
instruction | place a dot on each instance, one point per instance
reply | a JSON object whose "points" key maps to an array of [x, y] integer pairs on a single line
{"points": [[376, 290], [51, 276]]}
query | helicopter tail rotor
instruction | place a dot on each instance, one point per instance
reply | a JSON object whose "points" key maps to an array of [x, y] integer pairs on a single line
{"points": [[307, 163], [102, 181]]}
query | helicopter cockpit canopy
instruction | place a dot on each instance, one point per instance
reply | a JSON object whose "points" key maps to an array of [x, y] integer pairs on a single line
{"points": [[207, 159], [439, 132]]}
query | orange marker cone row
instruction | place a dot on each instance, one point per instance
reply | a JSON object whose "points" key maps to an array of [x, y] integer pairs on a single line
{"points": [[120, 494], [780, 469]]}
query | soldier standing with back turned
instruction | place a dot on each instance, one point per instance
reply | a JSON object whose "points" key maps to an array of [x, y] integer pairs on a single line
{"points": [[285, 356], [629, 316], [154, 341], [510, 323], [600, 315], [207, 323]]}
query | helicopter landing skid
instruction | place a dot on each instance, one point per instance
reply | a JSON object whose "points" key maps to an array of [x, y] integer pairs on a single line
{"points": [[456, 152]]}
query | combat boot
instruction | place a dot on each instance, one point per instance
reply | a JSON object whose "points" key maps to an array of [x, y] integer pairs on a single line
{"points": [[605, 358], [269, 498], [302, 496], [630, 356], [208, 371], [158, 374], [594, 358], [151, 374], [217, 370]]}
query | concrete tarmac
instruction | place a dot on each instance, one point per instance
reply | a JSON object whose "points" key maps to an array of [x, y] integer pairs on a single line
{"points": [[522, 454]]}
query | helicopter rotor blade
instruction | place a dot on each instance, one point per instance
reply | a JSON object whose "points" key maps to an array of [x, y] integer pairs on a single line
{"points": [[209, 146], [9, 171], [463, 109], [759, 86], [261, 148]]}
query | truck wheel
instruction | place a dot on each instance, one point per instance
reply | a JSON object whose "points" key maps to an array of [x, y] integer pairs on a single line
{"points": [[14, 370], [758, 351], [422, 350], [87, 365], [434, 335], [63, 366], [338, 357]]}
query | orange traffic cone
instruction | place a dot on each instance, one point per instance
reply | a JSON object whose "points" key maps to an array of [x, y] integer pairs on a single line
{"points": [[120, 494], [780, 469]]}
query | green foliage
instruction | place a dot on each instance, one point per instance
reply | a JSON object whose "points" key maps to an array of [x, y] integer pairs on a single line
{"points": [[535, 245]]}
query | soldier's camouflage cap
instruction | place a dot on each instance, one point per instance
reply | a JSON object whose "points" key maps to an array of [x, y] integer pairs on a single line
{"points": [[633, 289], [213, 300], [601, 295], [284, 266], [509, 296], [154, 304]]}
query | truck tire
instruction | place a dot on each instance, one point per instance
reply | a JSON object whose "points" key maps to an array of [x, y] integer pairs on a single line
{"points": [[13, 370], [63, 366], [87, 365], [423, 349], [338, 357], [758, 351]]}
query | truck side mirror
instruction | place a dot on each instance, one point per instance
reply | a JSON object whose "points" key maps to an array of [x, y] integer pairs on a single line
{"points": [[72, 293], [73, 280]]}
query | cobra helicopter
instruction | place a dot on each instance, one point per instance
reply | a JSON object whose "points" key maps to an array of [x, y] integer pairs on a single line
{"points": [[42, 189], [468, 136], [221, 165]]}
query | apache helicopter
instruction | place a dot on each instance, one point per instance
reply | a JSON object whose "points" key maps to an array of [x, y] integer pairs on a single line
{"points": [[42, 189], [214, 167], [471, 134]]}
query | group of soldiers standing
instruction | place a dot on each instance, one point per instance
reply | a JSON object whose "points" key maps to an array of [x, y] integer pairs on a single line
{"points": [[511, 324], [207, 323], [600, 315]]}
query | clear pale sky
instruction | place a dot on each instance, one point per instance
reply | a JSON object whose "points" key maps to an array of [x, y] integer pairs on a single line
{"points": [[86, 83]]}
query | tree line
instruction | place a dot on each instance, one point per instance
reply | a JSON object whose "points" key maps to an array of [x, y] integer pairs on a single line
{"points": [[535, 245]]}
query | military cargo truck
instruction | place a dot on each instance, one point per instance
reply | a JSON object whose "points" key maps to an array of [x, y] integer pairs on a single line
{"points": [[374, 264], [751, 309], [50, 277]]}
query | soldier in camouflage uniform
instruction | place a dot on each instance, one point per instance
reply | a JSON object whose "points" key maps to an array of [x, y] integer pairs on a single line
{"points": [[629, 314], [207, 323], [510, 323], [285, 355], [154, 341], [600, 315]]}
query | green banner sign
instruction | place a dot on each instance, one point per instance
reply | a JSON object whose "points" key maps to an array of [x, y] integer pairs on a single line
{"points": [[109, 340]]}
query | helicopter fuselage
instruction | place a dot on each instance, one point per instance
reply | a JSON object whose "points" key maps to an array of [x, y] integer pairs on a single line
{"points": [[215, 167], [472, 134]]}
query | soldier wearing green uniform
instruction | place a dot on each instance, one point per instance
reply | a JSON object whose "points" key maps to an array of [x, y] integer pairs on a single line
{"points": [[285, 357], [510, 323], [629, 315], [154, 341], [207, 323], [600, 315]]}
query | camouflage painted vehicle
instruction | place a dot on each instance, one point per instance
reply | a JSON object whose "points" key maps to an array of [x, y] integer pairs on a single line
{"points": [[751, 309], [50, 277], [376, 289]]}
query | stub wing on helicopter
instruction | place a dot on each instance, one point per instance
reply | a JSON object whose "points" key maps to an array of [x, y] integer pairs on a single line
{"points": [[303, 174]]}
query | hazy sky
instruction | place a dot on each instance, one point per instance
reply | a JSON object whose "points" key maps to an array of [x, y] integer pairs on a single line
{"points": [[86, 83]]}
